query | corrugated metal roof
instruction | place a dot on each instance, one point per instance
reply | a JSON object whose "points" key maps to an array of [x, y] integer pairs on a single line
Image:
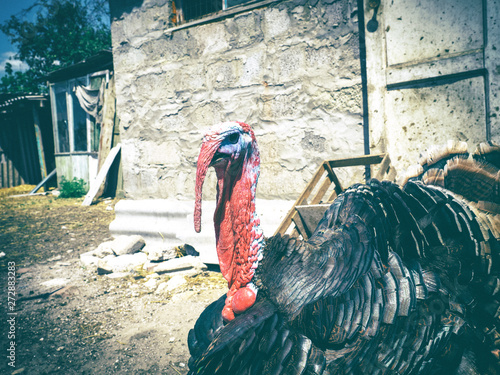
{"points": [[10, 99]]}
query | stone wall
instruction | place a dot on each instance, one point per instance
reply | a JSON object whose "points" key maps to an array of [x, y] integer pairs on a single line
{"points": [[290, 69]]}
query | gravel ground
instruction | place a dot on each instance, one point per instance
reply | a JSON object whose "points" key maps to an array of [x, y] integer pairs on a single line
{"points": [[60, 318]]}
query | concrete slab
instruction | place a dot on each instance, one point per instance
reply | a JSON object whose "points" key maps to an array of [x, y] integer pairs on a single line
{"points": [[169, 222]]}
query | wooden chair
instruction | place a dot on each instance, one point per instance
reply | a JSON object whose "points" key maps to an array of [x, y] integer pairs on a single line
{"points": [[319, 194]]}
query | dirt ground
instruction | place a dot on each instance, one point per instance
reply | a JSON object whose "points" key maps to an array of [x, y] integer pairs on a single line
{"points": [[91, 324]]}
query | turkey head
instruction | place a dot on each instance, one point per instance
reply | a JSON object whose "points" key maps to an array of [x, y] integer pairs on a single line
{"points": [[232, 150]]}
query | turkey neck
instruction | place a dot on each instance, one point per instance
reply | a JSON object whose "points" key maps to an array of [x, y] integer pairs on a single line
{"points": [[237, 227]]}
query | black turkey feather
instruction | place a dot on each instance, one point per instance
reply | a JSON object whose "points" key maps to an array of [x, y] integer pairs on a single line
{"points": [[394, 280]]}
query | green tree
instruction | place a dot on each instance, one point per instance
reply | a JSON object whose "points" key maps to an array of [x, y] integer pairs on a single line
{"points": [[18, 82], [62, 33]]}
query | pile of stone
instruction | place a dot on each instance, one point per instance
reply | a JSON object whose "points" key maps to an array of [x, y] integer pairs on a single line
{"points": [[127, 254]]}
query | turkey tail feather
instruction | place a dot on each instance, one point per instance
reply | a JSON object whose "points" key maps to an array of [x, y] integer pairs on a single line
{"points": [[476, 177]]}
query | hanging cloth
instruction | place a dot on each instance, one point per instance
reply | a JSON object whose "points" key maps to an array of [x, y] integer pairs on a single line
{"points": [[90, 100]]}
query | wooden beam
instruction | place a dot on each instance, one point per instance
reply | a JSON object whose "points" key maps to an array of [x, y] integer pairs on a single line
{"points": [[101, 176], [299, 225], [328, 166], [300, 200], [321, 192], [43, 182], [384, 165], [333, 177], [360, 160]]}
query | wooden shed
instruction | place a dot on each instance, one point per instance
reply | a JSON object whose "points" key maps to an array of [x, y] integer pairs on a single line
{"points": [[78, 96], [26, 139]]}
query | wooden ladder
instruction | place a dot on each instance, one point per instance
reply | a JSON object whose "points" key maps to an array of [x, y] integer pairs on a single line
{"points": [[305, 214]]}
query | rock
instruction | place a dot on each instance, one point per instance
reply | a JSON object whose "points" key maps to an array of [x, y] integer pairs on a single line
{"points": [[117, 275], [103, 268], [172, 284], [23, 270], [91, 258], [53, 259], [184, 296], [190, 250], [88, 260], [178, 264], [2, 254], [122, 245], [103, 249], [55, 282], [126, 262], [158, 253], [151, 283]]}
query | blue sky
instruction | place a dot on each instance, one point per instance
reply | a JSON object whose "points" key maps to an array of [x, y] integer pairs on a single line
{"points": [[7, 9]]}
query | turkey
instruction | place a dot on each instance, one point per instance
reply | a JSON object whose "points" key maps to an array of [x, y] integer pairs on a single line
{"points": [[392, 281]]}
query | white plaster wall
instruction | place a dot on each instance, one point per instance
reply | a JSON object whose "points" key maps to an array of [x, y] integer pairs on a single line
{"points": [[291, 70]]}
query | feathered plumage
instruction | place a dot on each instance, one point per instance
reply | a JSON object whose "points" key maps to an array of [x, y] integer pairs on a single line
{"points": [[393, 280], [474, 176]]}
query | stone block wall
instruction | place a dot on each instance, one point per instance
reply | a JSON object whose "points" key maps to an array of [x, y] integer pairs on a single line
{"points": [[290, 69]]}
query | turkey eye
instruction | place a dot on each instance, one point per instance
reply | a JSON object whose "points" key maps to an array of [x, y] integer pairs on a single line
{"points": [[233, 138]]}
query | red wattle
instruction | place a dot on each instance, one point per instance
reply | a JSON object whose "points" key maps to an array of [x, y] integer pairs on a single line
{"points": [[227, 314], [243, 299]]}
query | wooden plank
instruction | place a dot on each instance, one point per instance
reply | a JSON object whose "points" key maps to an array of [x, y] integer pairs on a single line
{"points": [[333, 177], [43, 182], [332, 197], [328, 166], [108, 116], [3, 167], [297, 220], [302, 198], [384, 165], [101, 176], [16, 181], [10, 172], [360, 160], [391, 176], [321, 192], [107, 122]]}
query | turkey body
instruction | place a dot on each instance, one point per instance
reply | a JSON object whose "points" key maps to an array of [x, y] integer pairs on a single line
{"points": [[393, 281]]}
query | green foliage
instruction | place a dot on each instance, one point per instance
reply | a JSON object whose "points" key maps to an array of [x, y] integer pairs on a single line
{"points": [[62, 33], [19, 82], [72, 189]]}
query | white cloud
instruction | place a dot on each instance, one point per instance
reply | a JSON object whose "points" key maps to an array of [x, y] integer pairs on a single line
{"points": [[16, 64]]}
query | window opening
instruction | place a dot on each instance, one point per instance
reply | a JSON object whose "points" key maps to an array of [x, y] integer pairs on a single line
{"points": [[79, 125], [62, 122], [188, 10], [76, 128]]}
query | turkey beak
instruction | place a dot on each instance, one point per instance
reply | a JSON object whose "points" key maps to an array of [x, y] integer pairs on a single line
{"points": [[207, 153]]}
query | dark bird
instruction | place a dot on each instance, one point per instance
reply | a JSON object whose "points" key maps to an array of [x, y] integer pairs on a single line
{"points": [[393, 280]]}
